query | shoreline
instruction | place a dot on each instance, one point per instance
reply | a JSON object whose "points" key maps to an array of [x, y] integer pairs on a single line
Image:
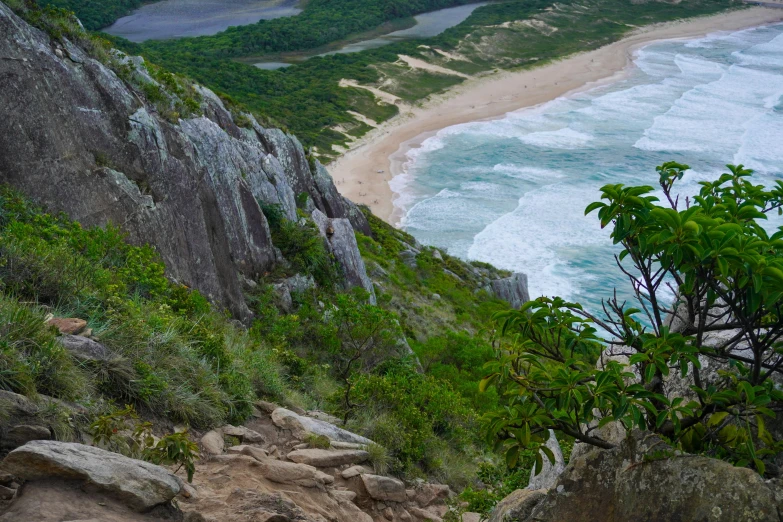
{"points": [[362, 174]]}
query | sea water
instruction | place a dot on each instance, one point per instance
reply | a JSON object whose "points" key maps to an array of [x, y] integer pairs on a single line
{"points": [[512, 192]]}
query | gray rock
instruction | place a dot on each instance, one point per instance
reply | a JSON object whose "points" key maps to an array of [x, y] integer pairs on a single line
{"points": [[244, 434], [292, 473], [517, 506], [323, 458], [452, 274], [138, 484], [384, 488], [408, 258], [436, 254], [299, 283], [24, 433], [341, 240], [668, 487], [212, 442], [283, 297], [550, 471], [512, 289], [322, 415], [301, 425], [84, 348], [355, 471], [190, 188]]}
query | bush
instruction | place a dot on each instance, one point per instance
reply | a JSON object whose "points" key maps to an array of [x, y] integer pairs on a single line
{"points": [[173, 356], [727, 271], [407, 412]]}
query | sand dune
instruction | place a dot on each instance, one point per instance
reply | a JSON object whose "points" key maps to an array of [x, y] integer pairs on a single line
{"points": [[358, 172]]}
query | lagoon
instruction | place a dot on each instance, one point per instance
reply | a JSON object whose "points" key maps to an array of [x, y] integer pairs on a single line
{"points": [[181, 18]]}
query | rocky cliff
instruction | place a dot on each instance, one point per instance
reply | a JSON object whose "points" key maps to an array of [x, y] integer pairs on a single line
{"points": [[79, 138]]}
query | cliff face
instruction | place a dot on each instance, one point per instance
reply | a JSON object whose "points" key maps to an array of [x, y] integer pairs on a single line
{"points": [[77, 138]]}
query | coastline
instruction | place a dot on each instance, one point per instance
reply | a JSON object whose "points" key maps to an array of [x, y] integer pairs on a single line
{"points": [[356, 172]]}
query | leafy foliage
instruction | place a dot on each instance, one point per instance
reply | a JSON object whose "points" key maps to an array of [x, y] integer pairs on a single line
{"points": [[174, 448], [412, 415], [726, 270], [121, 431]]}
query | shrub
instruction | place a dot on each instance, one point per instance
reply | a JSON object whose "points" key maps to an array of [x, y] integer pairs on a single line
{"points": [[727, 271], [379, 458], [406, 412], [172, 355]]}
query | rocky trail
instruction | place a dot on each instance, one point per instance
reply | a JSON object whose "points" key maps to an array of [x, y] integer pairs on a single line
{"points": [[263, 471]]}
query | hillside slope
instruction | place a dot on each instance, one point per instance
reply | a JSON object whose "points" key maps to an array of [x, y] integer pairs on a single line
{"points": [[110, 147]]}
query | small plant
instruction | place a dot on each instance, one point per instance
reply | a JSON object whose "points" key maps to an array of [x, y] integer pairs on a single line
{"points": [[318, 441], [121, 432], [175, 448], [379, 458], [230, 441]]}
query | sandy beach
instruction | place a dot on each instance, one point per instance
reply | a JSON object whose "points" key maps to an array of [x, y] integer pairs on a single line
{"points": [[357, 172]]}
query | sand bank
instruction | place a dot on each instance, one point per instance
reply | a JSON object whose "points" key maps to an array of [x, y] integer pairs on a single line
{"points": [[362, 174]]}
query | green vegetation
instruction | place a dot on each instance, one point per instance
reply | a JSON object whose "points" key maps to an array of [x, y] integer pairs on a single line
{"points": [[307, 100], [175, 359], [172, 355], [97, 14], [723, 342]]}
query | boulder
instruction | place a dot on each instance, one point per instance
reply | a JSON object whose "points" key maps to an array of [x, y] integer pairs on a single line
{"points": [[423, 514], [301, 425], [246, 435], [469, 516], [24, 433], [428, 494], [138, 484], [322, 458], [384, 488], [212, 442], [292, 473], [645, 479], [283, 297], [67, 325], [354, 471], [408, 258], [84, 348], [517, 506], [550, 471], [322, 415], [250, 451], [512, 289], [341, 240], [347, 445], [299, 283]]}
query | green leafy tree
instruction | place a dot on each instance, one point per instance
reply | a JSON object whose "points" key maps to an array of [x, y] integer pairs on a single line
{"points": [[726, 271]]}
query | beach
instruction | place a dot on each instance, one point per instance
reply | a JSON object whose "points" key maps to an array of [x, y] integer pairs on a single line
{"points": [[362, 174]]}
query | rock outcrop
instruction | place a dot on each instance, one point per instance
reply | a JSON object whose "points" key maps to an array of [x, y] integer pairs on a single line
{"points": [[341, 240], [137, 484], [301, 425], [550, 471], [512, 289], [323, 458], [645, 479], [78, 138]]}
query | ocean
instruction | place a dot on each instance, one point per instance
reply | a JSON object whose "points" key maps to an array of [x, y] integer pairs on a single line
{"points": [[512, 191]]}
